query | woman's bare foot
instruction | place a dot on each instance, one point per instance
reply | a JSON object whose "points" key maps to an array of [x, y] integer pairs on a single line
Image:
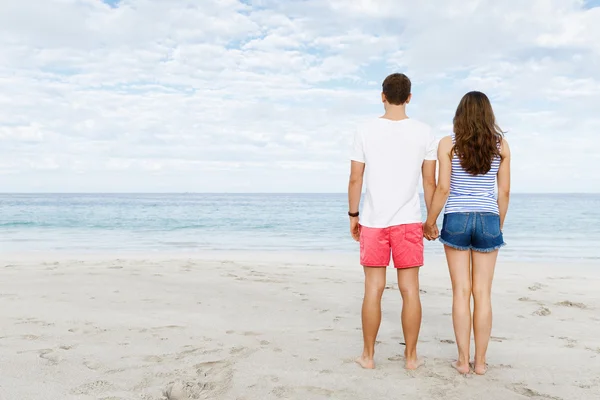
{"points": [[463, 369], [365, 362], [412, 365], [480, 369]]}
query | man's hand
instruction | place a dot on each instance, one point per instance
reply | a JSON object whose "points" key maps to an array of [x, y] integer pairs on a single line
{"points": [[430, 231], [355, 228]]}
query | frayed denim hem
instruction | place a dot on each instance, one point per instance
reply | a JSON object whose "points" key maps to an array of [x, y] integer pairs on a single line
{"points": [[489, 250], [465, 248], [455, 247]]}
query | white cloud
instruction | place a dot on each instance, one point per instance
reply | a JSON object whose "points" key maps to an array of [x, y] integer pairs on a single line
{"points": [[263, 95]]}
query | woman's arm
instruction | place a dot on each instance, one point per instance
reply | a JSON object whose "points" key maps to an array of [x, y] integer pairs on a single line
{"points": [[442, 190], [504, 182]]}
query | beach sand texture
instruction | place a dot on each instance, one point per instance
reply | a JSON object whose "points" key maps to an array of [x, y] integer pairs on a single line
{"points": [[280, 326]]}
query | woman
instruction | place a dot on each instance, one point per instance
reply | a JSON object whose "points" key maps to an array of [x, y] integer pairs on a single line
{"points": [[471, 162]]}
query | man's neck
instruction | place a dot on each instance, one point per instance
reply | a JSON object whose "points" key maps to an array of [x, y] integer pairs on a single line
{"points": [[395, 113]]}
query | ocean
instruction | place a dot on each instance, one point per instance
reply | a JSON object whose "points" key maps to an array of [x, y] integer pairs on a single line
{"points": [[538, 227]]}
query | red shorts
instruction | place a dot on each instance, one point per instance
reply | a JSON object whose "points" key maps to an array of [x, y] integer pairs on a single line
{"points": [[404, 242]]}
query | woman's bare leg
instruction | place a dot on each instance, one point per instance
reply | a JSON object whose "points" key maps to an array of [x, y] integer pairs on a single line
{"points": [[483, 274], [459, 264]]}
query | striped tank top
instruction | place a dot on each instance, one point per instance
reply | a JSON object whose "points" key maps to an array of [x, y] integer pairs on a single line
{"points": [[472, 193]]}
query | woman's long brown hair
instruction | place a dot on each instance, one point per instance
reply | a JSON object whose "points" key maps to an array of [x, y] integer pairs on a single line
{"points": [[477, 136]]}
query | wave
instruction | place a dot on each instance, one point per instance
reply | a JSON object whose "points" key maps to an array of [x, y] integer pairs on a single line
{"points": [[19, 223]]}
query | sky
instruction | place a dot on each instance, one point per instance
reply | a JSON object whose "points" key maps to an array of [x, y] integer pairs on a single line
{"points": [[264, 95]]}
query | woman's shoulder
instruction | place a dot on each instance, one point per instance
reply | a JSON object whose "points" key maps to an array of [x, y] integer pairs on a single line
{"points": [[504, 148], [447, 141]]}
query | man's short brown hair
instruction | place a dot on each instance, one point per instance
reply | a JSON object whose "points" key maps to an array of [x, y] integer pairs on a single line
{"points": [[396, 89]]}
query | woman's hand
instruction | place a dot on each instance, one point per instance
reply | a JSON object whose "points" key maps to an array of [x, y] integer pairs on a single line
{"points": [[430, 231]]}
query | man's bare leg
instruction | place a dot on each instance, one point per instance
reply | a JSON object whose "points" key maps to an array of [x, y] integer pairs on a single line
{"points": [[371, 313], [408, 283]]}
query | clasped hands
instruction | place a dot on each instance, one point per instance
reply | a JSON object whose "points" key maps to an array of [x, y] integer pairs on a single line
{"points": [[430, 231]]}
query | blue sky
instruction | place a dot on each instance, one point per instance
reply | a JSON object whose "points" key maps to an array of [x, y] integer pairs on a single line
{"points": [[263, 96], [112, 3], [591, 3]]}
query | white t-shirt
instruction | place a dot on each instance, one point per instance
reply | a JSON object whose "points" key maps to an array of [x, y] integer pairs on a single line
{"points": [[393, 152]]}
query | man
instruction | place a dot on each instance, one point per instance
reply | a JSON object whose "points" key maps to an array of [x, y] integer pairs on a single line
{"points": [[392, 151]]}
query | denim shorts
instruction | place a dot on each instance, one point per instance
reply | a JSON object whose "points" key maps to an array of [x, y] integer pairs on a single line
{"points": [[472, 231]]}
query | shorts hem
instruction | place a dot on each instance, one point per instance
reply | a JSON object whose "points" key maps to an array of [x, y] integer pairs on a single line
{"points": [[374, 266], [489, 249], [408, 266], [465, 248], [455, 247]]}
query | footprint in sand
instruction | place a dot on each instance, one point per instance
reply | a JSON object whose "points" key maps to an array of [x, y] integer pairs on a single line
{"points": [[536, 286], [49, 355], [568, 303], [183, 390], [93, 365], [527, 392], [301, 392], [448, 341], [93, 388], [497, 338], [237, 350], [596, 350], [213, 379], [570, 343], [542, 312]]}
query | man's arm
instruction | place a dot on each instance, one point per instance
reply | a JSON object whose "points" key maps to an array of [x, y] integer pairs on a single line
{"points": [[357, 171], [428, 172], [504, 182]]}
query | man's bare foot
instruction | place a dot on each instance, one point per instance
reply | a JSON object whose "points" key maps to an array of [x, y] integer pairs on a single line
{"points": [[412, 365], [480, 369], [463, 369], [365, 362]]}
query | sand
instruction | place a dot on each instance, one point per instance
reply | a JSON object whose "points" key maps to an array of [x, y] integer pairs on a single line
{"points": [[279, 326]]}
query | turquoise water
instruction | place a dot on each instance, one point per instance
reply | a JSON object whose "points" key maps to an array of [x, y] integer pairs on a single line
{"points": [[544, 227]]}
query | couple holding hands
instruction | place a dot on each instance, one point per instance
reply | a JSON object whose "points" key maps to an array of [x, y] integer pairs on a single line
{"points": [[391, 154]]}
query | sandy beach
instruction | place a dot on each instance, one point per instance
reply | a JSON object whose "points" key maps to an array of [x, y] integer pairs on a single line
{"points": [[279, 326]]}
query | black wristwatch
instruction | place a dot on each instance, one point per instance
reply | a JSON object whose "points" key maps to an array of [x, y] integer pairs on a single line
{"points": [[353, 215]]}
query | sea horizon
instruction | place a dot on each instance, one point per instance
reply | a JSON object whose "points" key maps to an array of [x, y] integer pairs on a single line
{"points": [[538, 226], [265, 193]]}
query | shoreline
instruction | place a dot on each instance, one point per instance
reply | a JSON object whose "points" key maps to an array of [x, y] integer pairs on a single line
{"points": [[311, 256]]}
